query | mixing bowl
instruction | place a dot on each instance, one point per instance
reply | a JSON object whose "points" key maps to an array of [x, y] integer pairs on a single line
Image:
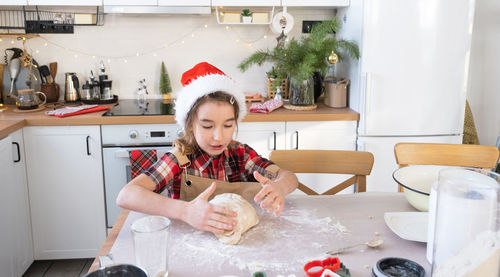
{"points": [[417, 181]]}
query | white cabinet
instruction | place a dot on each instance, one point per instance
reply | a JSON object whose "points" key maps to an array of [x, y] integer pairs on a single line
{"points": [[130, 2], [322, 135], [7, 213], [65, 2], [315, 3], [16, 251], [265, 137], [24, 238], [14, 2], [246, 3], [184, 3], [65, 180]]}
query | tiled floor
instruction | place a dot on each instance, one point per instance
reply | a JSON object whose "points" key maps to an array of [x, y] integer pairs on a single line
{"points": [[59, 268]]}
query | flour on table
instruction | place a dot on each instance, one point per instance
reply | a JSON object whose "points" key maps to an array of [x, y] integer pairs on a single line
{"points": [[269, 246]]}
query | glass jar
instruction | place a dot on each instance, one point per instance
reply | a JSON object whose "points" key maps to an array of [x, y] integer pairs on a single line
{"points": [[302, 93]]}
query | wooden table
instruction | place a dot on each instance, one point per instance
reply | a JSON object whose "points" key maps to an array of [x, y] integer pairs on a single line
{"points": [[308, 227]]}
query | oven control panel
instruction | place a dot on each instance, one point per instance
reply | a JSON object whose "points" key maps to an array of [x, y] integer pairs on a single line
{"points": [[125, 135]]}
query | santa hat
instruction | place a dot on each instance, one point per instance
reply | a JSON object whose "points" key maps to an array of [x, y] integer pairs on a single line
{"points": [[202, 80]]}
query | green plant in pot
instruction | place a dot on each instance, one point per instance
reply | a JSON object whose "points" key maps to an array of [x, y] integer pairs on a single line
{"points": [[298, 59], [246, 16]]}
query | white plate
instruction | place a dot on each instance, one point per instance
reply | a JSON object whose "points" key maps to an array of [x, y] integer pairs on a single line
{"points": [[408, 225]]}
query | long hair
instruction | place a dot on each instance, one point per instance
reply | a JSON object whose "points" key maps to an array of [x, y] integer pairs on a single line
{"points": [[186, 143]]}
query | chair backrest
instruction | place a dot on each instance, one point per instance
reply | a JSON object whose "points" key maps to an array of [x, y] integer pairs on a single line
{"points": [[357, 163], [466, 155]]}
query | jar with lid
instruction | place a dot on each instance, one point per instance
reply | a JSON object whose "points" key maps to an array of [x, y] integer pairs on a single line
{"points": [[106, 90], [86, 93]]}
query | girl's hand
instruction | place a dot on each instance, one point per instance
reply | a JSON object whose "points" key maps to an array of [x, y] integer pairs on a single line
{"points": [[207, 217], [271, 195]]}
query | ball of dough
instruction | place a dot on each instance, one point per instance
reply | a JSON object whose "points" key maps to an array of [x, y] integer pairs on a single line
{"points": [[247, 216]]}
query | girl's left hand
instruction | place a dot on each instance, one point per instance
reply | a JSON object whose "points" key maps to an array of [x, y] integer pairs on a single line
{"points": [[270, 196]]}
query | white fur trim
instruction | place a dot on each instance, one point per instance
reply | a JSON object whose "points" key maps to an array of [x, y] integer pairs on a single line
{"points": [[202, 86]]}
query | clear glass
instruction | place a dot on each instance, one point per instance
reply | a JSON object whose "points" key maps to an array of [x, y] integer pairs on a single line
{"points": [[150, 236], [302, 93], [467, 222]]}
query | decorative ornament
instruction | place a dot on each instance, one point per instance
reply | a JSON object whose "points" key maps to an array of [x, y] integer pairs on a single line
{"points": [[333, 58]]}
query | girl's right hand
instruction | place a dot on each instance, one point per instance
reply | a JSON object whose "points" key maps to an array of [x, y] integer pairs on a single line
{"points": [[207, 217]]}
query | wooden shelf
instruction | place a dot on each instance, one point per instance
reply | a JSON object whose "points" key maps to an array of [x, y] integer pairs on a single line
{"points": [[19, 36]]}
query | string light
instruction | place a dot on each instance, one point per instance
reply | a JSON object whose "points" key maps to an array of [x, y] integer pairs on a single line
{"points": [[11, 42], [1, 39], [152, 52]]}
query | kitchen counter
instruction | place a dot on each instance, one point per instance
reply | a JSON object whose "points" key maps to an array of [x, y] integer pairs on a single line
{"points": [[9, 126], [39, 118]]}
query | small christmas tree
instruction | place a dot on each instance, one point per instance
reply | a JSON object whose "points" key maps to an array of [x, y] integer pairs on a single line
{"points": [[165, 87]]}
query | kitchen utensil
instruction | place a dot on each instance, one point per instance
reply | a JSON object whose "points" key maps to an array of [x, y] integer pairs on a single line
{"points": [[44, 70], [53, 71], [417, 181], [373, 243], [52, 92], [119, 270], [14, 68], [72, 85], [28, 99]]}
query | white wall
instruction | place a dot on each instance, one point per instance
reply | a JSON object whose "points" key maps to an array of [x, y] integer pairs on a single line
{"points": [[188, 42], [484, 92]]}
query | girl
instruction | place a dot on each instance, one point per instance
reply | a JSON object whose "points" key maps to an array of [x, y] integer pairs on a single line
{"points": [[208, 109]]}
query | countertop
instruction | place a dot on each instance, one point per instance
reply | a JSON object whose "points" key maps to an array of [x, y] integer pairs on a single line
{"points": [[10, 121], [322, 223]]}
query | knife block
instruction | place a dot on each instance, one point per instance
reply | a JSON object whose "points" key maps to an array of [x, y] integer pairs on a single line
{"points": [[52, 92]]}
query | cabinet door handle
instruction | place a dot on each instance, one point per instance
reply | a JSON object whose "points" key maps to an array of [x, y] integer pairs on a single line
{"points": [[274, 138], [297, 140], [88, 146], [18, 152]]}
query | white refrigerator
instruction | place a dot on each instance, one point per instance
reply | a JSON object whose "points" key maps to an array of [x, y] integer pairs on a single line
{"points": [[411, 80]]}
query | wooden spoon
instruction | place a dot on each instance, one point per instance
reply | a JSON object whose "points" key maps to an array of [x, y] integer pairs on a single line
{"points": [[53, 71]]}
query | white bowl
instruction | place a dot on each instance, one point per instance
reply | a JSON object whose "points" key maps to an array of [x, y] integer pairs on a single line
{"points": [[417, 181]]}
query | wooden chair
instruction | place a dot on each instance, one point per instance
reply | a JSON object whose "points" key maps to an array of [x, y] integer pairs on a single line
{"points": [[466, 155], [356, 163]]}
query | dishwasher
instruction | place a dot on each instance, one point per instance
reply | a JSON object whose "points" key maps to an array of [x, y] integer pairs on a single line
{"points": [[117, 142]]}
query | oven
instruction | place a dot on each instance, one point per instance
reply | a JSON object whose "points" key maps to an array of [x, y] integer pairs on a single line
{"points": [[117, 141]]}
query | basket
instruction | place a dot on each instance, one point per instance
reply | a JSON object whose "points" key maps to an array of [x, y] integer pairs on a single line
{"points": [[271, 89]]}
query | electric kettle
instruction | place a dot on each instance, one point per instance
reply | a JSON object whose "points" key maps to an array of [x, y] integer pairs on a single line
{"points": [[71, 87]]}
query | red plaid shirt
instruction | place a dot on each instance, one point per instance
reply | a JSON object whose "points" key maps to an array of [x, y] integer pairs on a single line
{"points": [[236, 164]]}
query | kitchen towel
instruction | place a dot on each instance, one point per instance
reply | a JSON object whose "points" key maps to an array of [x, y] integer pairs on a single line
{"points": [[69, 111], [266, 107], [141, 160]]}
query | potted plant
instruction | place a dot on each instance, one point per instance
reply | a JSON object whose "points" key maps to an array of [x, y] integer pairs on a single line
{"points": [[246, 16], [298, 59]]}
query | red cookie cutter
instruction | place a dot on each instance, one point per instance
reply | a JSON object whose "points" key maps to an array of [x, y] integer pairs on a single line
{"points": [[331, 263]]}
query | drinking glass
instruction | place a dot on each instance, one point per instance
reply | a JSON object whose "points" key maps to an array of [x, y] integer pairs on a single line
{"points": [[466, 234], [150, 236]]}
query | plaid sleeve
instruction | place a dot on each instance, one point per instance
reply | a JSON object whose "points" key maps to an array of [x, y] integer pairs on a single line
{"points": [[164, 173], [254, 162]]}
